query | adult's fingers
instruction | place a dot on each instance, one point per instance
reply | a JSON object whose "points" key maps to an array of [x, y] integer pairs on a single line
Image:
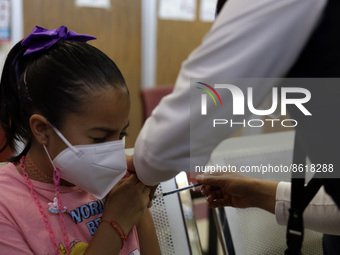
{"points": [[215, 194], [217, 203], [211, 180]]}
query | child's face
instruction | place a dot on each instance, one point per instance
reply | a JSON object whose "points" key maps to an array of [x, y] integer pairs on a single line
{"points": [[104, 117]]}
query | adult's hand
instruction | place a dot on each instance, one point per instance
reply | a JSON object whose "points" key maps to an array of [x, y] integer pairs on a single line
{"points": [[238, 190]]}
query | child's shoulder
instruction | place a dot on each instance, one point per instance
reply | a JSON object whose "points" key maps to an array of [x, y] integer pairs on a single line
{"points": [[5, 166], [8, 172], [10, 185]]}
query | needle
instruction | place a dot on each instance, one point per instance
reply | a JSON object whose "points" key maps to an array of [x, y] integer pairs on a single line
{"points": [[176, 190]]}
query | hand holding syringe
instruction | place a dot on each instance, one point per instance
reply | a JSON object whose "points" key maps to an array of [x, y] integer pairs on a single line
{"points": [[177, 190]]}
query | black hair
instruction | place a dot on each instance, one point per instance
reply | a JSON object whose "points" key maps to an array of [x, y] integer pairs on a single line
{"points": [[219, 5], [53, 82]]}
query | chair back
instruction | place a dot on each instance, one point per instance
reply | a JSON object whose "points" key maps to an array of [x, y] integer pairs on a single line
{"points": [[151, 98], [174, 220]]}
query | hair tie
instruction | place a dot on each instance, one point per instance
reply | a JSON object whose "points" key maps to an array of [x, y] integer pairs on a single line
{"points": [[42, 38]]}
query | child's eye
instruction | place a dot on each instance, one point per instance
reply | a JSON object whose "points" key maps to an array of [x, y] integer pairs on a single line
{"points": [[98, 140]]}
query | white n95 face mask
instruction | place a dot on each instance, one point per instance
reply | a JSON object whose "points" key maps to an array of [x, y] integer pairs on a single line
{"points": [[95, 168]]}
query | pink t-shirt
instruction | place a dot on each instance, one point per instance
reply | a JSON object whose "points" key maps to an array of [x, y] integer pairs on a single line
{"points": [[22, 229]]}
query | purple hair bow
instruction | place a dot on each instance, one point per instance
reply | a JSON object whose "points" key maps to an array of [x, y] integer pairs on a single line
{"points": [[42, 39]]}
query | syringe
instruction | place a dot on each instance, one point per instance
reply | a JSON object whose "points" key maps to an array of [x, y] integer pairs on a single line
{"points": [[176, 190]]}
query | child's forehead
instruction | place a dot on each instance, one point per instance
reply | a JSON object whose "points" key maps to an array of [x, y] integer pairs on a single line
{"points": [[105, 107]]}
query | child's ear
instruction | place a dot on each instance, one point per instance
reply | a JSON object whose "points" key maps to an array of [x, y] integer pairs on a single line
{"points": [[40, 128]]}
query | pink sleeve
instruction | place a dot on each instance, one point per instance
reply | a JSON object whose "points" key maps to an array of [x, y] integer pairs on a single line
{"points": [[11, 241]]}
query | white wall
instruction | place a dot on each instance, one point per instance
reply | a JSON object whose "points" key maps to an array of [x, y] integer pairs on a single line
{"points": [[149, 42], [16, 30]]}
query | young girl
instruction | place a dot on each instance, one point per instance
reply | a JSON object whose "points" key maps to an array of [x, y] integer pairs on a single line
{"points": [[68, 103]]}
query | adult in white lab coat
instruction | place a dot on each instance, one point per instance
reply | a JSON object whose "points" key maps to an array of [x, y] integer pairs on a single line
{"points": [[248, 39], [263, 38]]}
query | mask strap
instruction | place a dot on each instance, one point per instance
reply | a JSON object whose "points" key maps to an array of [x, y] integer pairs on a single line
{"points": [[49, 157], [75, 151], [56, 173]]}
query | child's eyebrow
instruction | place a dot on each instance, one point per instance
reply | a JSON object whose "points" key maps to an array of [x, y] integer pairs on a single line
{"points": [[104, 129], [109, 130]]}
